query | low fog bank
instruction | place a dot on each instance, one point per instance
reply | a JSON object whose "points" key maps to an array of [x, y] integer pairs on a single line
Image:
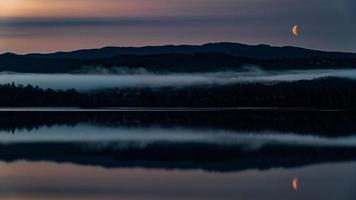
{"points": [[97, 78]]}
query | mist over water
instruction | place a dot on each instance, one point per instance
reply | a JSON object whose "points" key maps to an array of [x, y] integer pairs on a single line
{"points": [[139, 137], [123, 78]]}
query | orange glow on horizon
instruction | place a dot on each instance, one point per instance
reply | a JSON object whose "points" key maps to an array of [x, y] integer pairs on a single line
{"points": [[84, 8], [64, 8]]}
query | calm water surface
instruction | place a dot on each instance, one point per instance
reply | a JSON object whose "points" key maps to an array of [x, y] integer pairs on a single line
{"points": [[43, 180], [172, 155]]}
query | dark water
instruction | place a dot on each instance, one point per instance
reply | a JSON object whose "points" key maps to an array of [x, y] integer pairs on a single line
{"points": [[178, 155]]}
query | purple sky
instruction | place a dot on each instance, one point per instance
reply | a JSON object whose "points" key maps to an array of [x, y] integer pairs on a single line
{"points": [[53, 25]]}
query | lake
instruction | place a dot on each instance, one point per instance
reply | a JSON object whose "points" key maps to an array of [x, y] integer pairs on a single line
{"points": [[133, 79], [43, 180], [240, 154]]}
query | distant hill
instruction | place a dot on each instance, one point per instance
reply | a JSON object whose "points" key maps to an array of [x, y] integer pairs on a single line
{"points": [[184, 58], [19, 63], [235, 49]]}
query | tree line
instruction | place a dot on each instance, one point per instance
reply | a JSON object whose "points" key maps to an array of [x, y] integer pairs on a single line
{"points": [[334, 93]]}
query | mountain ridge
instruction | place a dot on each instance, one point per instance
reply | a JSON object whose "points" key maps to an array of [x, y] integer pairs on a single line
{"points": [[179, 58], [260, 51]]}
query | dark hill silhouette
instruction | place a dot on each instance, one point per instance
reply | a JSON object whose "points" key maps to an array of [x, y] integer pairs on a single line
{"points": [[19, 63], [184, 58], [235, 49]]}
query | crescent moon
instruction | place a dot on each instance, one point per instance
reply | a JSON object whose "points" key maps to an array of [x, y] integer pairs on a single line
{"points": [[295, 30], [295, 184]]}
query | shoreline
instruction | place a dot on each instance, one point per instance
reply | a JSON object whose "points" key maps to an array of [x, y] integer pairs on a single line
{"points": [[166, 109]]}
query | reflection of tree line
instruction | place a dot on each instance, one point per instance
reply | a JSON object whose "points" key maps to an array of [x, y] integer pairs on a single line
{"points": [[210, 157], [331, 124], [330, 93]]}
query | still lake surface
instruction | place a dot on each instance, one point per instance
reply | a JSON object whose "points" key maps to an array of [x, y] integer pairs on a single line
{"points": [[144, 155]]}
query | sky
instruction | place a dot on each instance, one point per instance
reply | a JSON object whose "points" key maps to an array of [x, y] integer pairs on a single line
{"points": [[63, 25]]}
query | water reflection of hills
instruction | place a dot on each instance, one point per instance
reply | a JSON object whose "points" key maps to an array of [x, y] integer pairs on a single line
{"points": [[331, 124], [184, 155], [176, 156]]}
